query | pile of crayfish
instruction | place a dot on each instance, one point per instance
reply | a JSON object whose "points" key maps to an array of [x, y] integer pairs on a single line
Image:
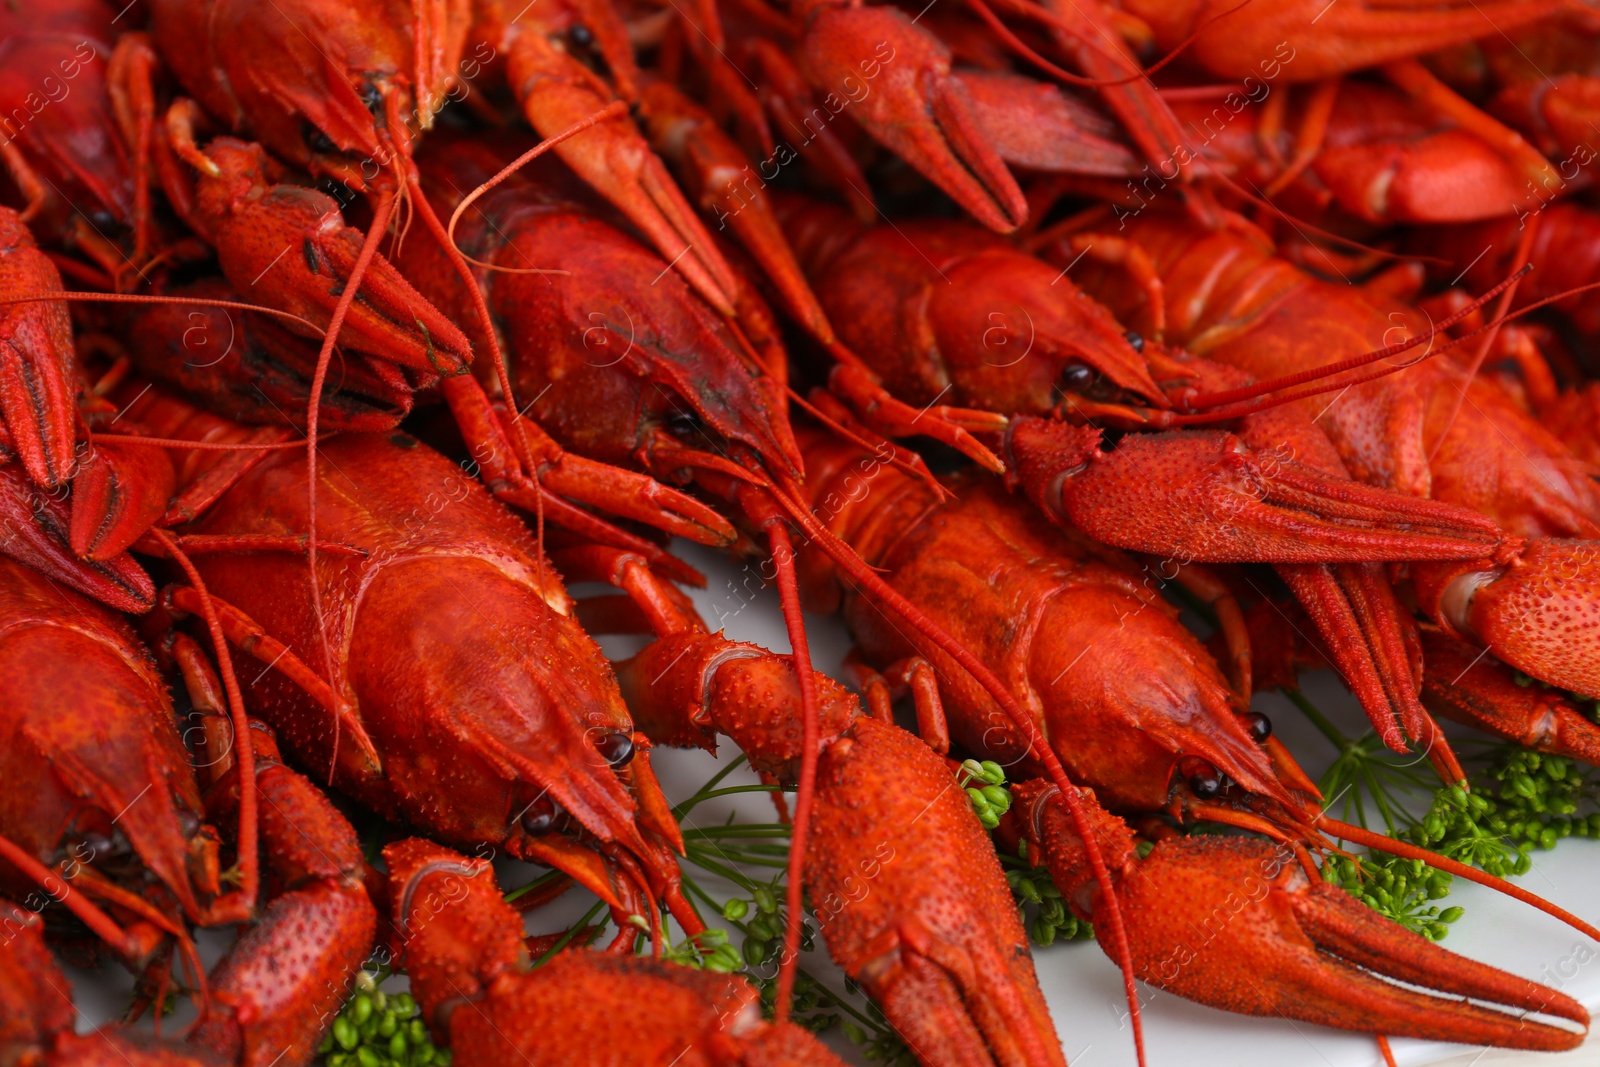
{"points": [[339, 340]]}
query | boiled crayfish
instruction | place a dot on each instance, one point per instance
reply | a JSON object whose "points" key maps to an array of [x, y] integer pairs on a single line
{"points": [[696, 271]]}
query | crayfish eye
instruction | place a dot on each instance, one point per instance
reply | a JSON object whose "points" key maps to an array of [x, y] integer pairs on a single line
{"points": [[1134, 339], [188, 823], [616, 747], [91, 846], [1206, 784], [1076, 375], [371, 98], [1259, 725], [682, 423], [319, 142], [102, 220], [581, 35], [541, 816]]}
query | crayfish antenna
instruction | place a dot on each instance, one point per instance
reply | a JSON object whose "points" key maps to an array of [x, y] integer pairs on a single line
{"points": [[862, 573], [768, 508], [1225, 401], [805, 792], [352, 285], [1406, 850], [1524, 250]]}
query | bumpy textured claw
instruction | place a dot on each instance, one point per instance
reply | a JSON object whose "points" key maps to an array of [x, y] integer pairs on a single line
{"points": [[35, 530], [911, 103], [1237, 924], [289, 246], [463, 948], [37, 380], [1209, 497], [1538, 611], [290, 970], [1463, 683], [615, 159], [915, 908], [906, 888]]}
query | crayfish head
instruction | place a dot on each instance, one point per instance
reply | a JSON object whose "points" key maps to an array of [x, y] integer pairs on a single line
{"points": [[102, 789], [517, 738], [1019, 337], [618, 322], [1145, 716]]}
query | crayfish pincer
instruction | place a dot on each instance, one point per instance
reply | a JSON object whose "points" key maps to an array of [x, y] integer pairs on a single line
{"points": [[1432, 430], [1238, 924], [462, 946]]}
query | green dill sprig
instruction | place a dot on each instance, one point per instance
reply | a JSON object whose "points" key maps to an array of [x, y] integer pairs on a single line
{"points": [[375, 1029], [1522, 801]]}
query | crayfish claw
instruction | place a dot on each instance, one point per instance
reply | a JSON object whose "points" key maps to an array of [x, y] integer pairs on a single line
{"points": [[1534, 609], [1355, 943], [919, 110], [1238, 924], [34, 529], [1217, 500], [482, 998], [36, 360], [614, 158], [914, 906], [1461, 683]]}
